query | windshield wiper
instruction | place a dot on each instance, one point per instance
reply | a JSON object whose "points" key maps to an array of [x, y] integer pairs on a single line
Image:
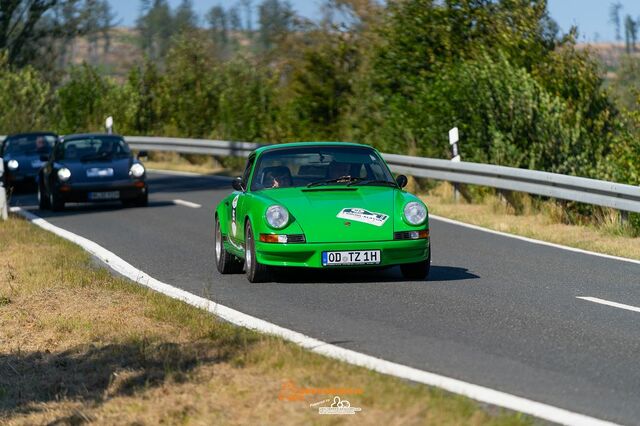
{"points": [[374, 182], [341, 179]]}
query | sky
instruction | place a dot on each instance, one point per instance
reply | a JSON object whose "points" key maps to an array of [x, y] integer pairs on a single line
{"points": [[591, 16]]}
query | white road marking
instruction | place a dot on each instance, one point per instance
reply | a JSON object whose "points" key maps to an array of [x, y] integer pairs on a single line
{"points": [[532, 240], [187, 204], [479, 393], [609, 303]]}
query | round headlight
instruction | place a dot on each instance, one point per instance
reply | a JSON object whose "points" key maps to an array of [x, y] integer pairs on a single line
{"points": [[415, 213], [277, 217], [13, 164], [64, 174], [137, 170]]}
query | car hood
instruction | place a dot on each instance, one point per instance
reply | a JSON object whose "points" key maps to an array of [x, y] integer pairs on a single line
{"points": [[90, 171], [336, 214]]}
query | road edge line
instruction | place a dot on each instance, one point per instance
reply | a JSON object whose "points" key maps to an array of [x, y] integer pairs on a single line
{"points": [[476, 392]]}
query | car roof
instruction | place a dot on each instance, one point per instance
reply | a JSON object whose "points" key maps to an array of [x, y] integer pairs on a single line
{"points": [[88, 135], [266, 148], [21, 135]]}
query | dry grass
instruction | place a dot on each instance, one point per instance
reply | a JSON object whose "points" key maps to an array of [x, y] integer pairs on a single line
{"points": [[540, 221], [79, 345]]}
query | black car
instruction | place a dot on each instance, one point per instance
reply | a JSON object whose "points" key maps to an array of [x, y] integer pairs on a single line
{"points": [[92, 167], [22, 154]]}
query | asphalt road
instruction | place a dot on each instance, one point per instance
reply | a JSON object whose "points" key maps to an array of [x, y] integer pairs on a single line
{"points": [[495, 311]]}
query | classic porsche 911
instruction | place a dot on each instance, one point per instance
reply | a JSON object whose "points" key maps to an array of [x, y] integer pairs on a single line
{"points": [[21, 155], [320, 205], [92, 167]]}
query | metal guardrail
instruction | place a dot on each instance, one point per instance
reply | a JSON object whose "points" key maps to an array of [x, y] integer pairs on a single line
{"points": [[590, 191], [192, 146]]}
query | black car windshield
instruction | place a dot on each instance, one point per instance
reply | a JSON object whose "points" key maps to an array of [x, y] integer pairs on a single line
{"points": [[94, 148], [29, 144], [320, 165]]}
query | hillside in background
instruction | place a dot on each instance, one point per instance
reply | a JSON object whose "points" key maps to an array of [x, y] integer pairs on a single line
{"points": [[114, 57]]}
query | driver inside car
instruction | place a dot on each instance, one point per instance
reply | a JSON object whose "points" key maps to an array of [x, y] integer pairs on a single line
{"points": [[277, 177]]}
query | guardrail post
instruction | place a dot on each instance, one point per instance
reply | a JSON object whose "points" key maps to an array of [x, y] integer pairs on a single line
{"points": [[4, 213], [455, 157], [624, 217]]}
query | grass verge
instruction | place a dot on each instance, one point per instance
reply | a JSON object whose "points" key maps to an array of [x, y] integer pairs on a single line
{"points": [[79, 345], [543, 222]]}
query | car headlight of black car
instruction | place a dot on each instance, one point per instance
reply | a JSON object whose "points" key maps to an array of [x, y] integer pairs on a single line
{"points": [[64, 174], [13, 164], [137, 170]]}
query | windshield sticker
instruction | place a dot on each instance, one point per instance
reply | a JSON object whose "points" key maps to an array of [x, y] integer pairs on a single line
{"points": [[364, 216]]}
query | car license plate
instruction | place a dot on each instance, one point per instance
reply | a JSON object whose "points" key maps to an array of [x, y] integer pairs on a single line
{"points": [[109, 195], [351, 257], [97, 172]]}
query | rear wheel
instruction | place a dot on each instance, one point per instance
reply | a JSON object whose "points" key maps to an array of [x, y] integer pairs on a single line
{"points": [[256, 272], [418, 270], [226, 263]]}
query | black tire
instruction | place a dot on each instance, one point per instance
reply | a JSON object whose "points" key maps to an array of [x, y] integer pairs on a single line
{"points": [[418, 270], [141, 201], [55, 202], [256, 272], [226, 263], [43, 198]]}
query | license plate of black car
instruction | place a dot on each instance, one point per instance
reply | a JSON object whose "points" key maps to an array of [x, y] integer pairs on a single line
{"points": [[107, 195]]}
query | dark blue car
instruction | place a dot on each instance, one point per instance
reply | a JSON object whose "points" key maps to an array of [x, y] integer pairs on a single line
{"points": [[22, 154], [92, 167]]}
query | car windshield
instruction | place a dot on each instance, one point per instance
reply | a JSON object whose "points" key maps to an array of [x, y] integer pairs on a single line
{"points": [[318, 166], [29, 144], [95, 148]]}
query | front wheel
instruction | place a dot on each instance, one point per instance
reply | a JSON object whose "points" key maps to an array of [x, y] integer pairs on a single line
{"points": [[226, 263], [418, 270], [43, 199], [256, 271], [55, 202]]}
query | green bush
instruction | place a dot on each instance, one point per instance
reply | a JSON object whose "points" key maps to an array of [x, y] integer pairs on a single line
{"points": [[25, 99]]}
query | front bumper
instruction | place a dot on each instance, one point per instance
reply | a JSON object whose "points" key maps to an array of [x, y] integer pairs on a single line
{"points": [[394, 252], [19, 178], [79, 192]]}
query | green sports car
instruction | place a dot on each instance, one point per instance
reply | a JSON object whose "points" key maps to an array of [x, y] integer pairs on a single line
{"points": [[320, 205]]}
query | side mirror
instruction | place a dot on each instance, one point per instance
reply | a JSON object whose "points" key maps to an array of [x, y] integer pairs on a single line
{"points": [[142, 154], [44, 158], [237, 184], [402, 181]]}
